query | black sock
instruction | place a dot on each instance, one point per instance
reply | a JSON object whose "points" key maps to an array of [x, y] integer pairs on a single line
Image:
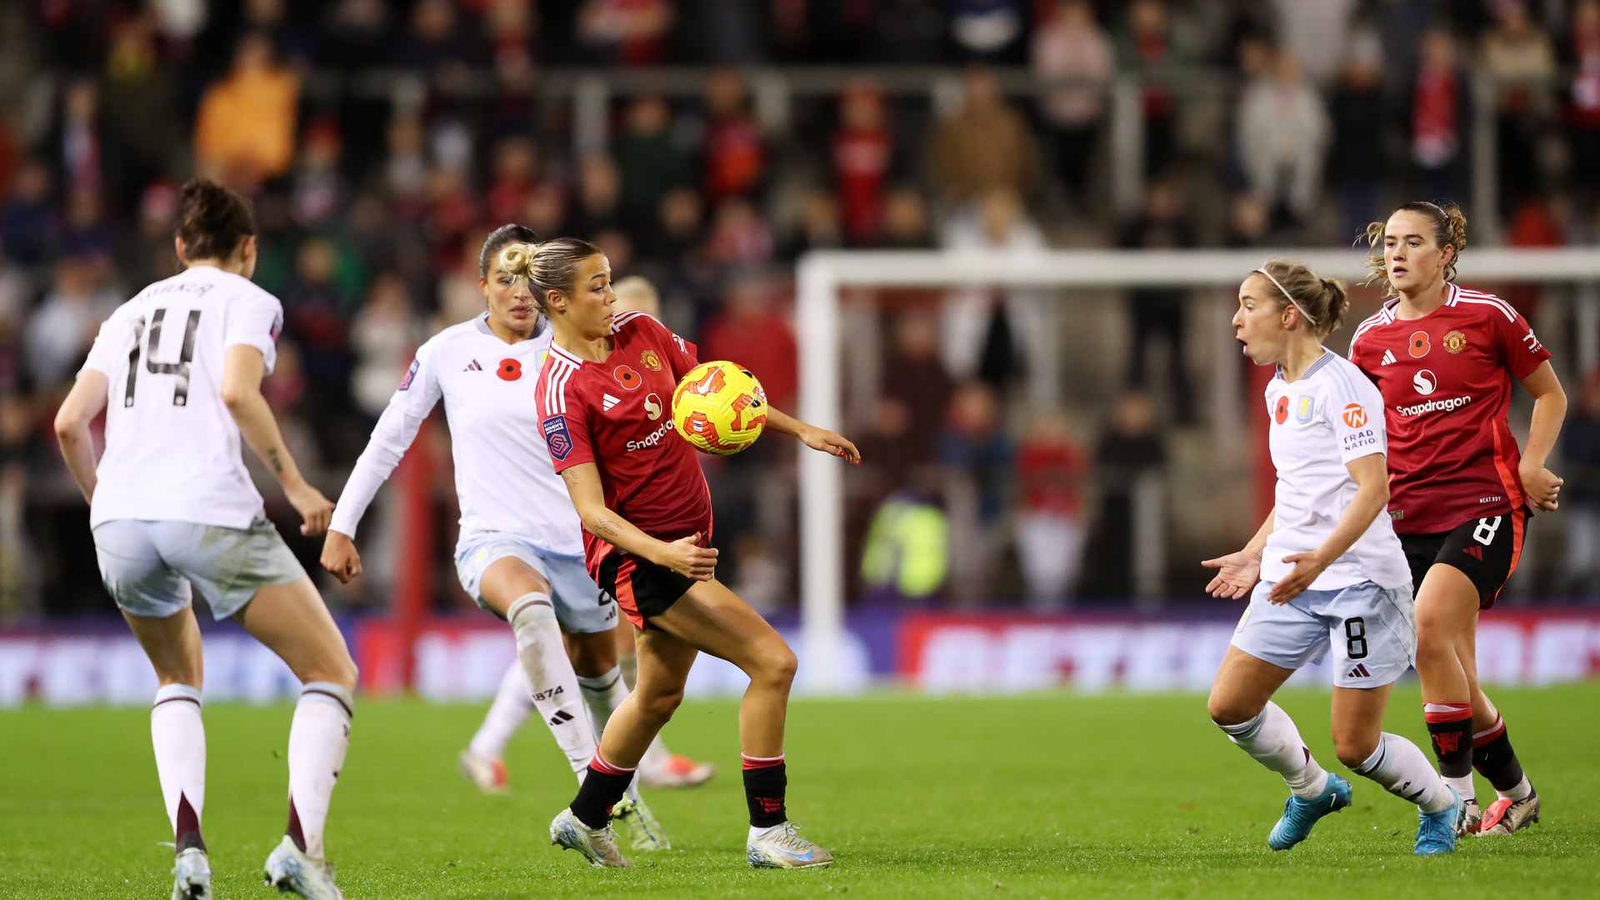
{"points": [[1451, 732], [1496, 761], [602, 787], [763, 793]]}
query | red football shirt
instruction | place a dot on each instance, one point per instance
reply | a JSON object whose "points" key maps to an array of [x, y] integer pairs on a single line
{"points": [[617, 414], [1446, 383]]}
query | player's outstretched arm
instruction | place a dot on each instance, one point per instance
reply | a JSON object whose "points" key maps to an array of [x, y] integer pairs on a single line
{"points": [[816, 438], [85, 401], [241, 393], [1239, 571], [1371, 475], [684, 556], [1549, 410]]}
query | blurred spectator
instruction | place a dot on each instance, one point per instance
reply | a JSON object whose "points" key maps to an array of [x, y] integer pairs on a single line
{"points": [[739, 237], [681, 223], [754, 332], [1145, 46], [599, 206], [30, 226], [79, 145], [1521, 57], [863, 149], [650, 159], [1360, 123], [629, 32], [62, 327], [1315, 34], [1585, 113], [985, 146], [1282, 137], [988, 30], [1440, 119], [991, 334], [1050, 529], [356, 34], [139, 103], [246, 124], [319, 191], [1160, 312], [975, 444], [906, 553], [406, 170], [1580, 505], [545, 211], [905, 221], [1130, 449], [820, 226], [916, 391], [146, 255], [384, 339], [514, 170], [436, 44], [1250, 222], [635, 294], [1069, 45], [735, 151]]}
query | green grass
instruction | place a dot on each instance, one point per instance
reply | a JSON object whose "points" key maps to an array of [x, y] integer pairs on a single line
{"points": [[1050, 795]]}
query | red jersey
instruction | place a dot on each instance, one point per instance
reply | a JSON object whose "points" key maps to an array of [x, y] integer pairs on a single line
{"points": [[1446, 384], [617, 414]]}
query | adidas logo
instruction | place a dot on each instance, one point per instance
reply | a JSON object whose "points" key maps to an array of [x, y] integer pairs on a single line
{"points": [[1388, 358], [561, 717], [1475, 552], [607, 401], [1360, 671], [473, 367]]}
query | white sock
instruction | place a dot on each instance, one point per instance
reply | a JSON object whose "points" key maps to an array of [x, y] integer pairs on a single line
{"points": [[602, 694], [1405, 772], [1522, 791], [551, 682], [1272, 740], [506, 714], [757, 834], [179, 738], [1463, 785], [318, 739]]}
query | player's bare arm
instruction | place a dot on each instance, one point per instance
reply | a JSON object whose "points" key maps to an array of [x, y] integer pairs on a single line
{"points": [[1239, 571], [85, 401], [684, 556], [241, 393], [1549, 411], [1371, 475], [812, 436]]}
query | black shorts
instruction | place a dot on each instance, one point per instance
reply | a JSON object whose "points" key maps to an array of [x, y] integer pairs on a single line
{"points": [[642, 589], [1485, 550]]}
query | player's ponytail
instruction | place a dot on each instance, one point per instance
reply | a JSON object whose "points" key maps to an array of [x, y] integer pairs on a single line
{"points": [[213, 220], [1449, 230], [498, 240], [1322, 302]]}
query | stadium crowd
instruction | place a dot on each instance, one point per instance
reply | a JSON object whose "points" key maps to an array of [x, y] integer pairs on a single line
{"points": [[381, 140]]}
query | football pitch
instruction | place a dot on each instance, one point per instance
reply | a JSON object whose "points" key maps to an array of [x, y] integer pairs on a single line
{"points": [[1046, 795]]}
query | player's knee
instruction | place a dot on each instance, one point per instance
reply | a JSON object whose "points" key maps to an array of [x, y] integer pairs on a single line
{"points": [[339, 669], [1225, 711], [776, 665], [1433, 645], [1354, 749], [657, 706]]}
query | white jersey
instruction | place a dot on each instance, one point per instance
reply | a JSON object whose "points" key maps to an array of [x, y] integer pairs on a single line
{"points": [[172, 448], [1328, 417], [504, 479]]}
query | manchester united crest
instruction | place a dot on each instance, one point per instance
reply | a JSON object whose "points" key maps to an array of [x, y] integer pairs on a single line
{"points": [[650, 360], [1455, 342]]}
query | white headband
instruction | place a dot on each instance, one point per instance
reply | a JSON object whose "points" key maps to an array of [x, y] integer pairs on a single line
{"points": [[1309, 317]]}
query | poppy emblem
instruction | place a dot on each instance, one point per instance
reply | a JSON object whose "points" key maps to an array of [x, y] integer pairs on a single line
{"points": [[1281, 414], [1455, 342], [1355, 416], [627, 377], [650, 360], [1419, 346], [510, 369]]}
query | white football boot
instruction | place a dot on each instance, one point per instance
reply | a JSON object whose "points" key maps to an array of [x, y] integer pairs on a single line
{"points": [[634, 817], [782, 847], [291, 871], [598, 845], [191, 874]]}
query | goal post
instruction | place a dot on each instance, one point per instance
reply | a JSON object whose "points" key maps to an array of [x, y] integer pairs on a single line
{"points": [[821, 276]]}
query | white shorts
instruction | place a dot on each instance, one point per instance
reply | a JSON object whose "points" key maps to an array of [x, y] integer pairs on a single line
{"points": [[1372, 631], [579, 605], [149, 566]]}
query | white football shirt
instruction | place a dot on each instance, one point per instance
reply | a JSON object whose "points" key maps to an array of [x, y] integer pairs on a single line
{"points": [[1330, 416], [504, 479], [172, 448]]}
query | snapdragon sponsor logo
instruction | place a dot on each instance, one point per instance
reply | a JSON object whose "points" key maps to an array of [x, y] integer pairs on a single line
{"points": [[652, 439], [1448, 404]]}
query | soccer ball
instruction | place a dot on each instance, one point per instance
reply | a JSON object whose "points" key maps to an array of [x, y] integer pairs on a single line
{"points": [[719, 407]]}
